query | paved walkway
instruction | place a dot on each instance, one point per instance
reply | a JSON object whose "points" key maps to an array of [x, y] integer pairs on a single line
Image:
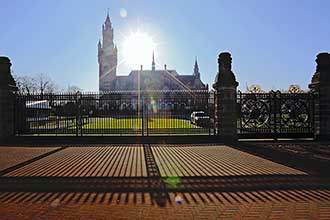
{"points": [[89, 161], [10, 156], [112, 182], [214, 160], [284, 205]]}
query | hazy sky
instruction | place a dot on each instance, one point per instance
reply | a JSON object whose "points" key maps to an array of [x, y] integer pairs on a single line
{"points": [[273, 43]]}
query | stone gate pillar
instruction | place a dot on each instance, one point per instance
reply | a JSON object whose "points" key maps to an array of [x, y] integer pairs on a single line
{"points": [[320, 86], [225, 99], [7, 99]]}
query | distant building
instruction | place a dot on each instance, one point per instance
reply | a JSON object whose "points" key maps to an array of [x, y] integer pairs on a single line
{"points": [[152, 79], [37, 108]]}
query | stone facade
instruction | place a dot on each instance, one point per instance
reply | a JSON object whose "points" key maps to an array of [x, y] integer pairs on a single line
{"points": [[225, 100], [7, 99], [152, 79], [320, 86]]}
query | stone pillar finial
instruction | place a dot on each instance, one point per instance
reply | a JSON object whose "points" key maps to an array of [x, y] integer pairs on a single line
{"points": [[5, 73], [4, 60], [224, 61], [323, 61], [225, 75], [322, 70]]}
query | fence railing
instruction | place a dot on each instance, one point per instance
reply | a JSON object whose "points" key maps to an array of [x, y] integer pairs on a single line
{"points": [[148, 113], [116, 113], [275, 114]]}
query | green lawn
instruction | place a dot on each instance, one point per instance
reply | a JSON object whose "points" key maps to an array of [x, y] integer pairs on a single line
{"points": [[169, 123], [120, 126], [121, 123]]}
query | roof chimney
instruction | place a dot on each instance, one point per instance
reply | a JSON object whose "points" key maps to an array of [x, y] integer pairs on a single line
{"points": [[141, 67], [165, 67]]}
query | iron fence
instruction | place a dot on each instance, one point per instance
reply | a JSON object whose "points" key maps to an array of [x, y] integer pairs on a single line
{"points": [[147, 113], [275, 114], [115, 113]]}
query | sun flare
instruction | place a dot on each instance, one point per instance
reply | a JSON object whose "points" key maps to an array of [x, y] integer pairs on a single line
{"points": [[137, 49]]}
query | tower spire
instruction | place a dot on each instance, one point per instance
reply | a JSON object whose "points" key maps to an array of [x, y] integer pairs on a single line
{"points": [[153, 65], [107, 20], [196, 68], [108, 17]]}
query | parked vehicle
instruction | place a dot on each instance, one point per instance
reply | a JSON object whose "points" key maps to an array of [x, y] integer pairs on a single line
{"points": [[199, 118]]}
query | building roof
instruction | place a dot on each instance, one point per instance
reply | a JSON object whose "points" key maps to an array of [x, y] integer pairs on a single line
{"points": [[157, 80]]}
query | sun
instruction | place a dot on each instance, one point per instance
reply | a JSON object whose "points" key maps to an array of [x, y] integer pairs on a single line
{"points": [[137, 49]]}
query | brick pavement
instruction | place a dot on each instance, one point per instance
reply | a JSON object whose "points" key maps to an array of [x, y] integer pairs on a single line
{"points": [[125, 161], [113, 160], [9, 156], [311, 204], [116, 160], [216, 160]]}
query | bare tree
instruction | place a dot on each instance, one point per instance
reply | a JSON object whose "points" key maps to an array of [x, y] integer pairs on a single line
{"points": [[25, 85], [74, 89], [44, 84], [40, 83]]}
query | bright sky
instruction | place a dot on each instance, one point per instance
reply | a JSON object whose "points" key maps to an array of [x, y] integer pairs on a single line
{"points": [[273, 42]]}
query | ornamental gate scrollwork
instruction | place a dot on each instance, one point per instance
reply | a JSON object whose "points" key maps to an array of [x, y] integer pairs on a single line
{"points": [[275, 114]]}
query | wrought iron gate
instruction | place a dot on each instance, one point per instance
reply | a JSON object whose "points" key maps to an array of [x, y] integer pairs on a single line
{"points": [[275, 115], [115, 113]]}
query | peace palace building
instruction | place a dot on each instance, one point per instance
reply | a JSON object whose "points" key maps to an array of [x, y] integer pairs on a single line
{"points": [[152, 79]]}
